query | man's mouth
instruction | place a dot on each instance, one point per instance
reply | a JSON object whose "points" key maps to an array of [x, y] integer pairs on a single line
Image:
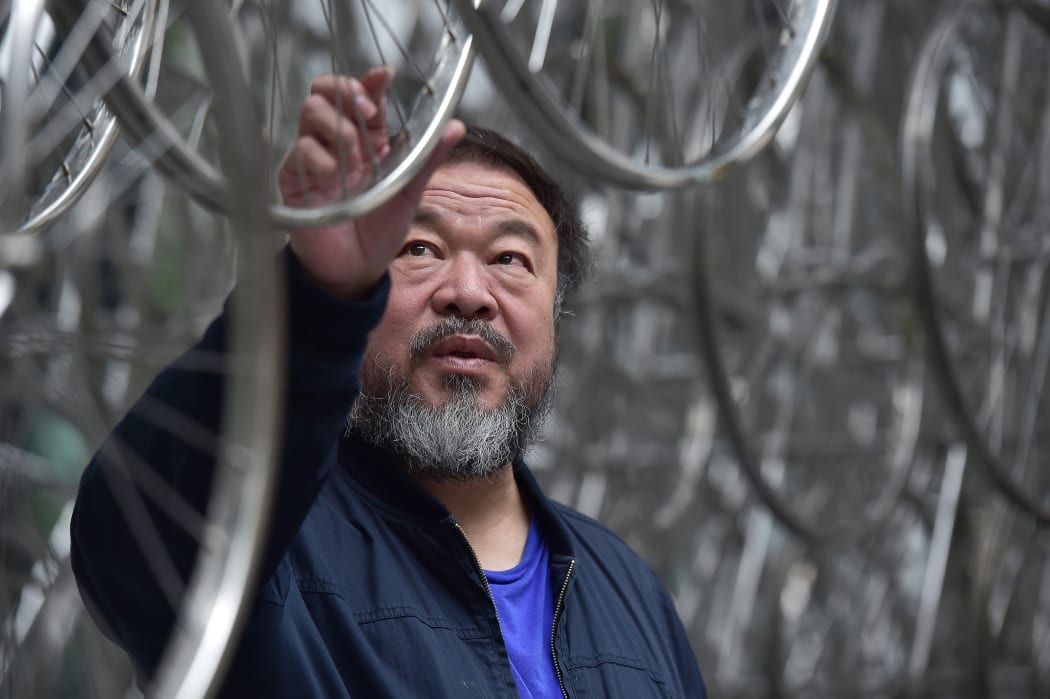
{"points": [[461, 343], [464, 347]]}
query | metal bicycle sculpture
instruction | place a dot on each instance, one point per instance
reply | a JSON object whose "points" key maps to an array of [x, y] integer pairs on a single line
{"points": [[61, 342], [981, 270], [83, 324], [625, 91], [54, 331], [436, 72], [812, 347], [79, 130], [64, 352]]}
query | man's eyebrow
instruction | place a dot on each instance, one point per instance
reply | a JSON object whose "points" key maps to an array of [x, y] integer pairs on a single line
{"points": [[433, 218], [428, 217], [520, 228]]}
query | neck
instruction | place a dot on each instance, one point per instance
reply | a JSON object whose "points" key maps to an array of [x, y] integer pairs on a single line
{"points": [[491, 513]]}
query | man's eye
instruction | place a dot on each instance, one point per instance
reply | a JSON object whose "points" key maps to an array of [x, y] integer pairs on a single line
{"points": [[510, 258], [417, 249]]}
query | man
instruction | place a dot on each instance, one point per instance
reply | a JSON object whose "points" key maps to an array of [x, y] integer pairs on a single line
{"points": [[414, 555]]}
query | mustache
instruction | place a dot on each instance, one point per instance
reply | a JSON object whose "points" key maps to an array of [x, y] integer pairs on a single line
{"points": [[421, 343]]}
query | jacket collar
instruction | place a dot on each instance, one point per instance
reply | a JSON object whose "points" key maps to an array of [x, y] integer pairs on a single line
{"points": [[377, 473]]}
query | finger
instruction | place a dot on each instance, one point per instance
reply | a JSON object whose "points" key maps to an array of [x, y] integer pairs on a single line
{"points": [[352, 97], [347, 94], [321, 120], [310, 158], [376, 83]]}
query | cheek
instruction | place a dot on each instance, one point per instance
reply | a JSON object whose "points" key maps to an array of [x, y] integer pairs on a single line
{"points": [[389, 340], [405, 308], [535, 336]]}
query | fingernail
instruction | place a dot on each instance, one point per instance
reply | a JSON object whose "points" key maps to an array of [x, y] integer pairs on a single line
{"points": [[366, 106]]}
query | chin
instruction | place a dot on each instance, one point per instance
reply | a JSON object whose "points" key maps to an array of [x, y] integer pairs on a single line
{"points": [[453, 386]]}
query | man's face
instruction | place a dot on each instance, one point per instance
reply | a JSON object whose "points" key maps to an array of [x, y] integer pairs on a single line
{"points": [[482, 247]]}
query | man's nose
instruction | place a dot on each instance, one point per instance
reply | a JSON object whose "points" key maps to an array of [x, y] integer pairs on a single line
{"points": [[464, 290]]}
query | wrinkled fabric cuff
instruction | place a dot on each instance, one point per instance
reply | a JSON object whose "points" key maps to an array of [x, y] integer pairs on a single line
{"points": [[322, 321]]}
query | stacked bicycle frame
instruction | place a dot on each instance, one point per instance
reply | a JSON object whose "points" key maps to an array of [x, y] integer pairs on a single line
{"points": [[826, 307]]}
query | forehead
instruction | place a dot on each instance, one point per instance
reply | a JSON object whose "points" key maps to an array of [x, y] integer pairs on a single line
{"points": [[485, 194]]}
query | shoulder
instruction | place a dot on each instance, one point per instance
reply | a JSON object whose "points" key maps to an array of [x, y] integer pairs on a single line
{"points": [[593, 541], [586, 527]]}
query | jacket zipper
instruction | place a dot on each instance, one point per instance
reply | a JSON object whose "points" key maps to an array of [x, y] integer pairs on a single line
{"points": [[554, 627], [557, 606], [484, 578]]}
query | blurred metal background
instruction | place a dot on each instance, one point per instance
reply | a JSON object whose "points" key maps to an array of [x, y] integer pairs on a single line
{"points": [[915, 576]]}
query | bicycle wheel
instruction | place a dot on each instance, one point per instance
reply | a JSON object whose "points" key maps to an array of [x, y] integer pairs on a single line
{"points": [[288, 44], [632, 93], [123, 281], [52, 118], [981, 270], [804, 312]]}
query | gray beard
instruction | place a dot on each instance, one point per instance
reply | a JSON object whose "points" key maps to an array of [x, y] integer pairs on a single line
{"points": [[459, 440]]}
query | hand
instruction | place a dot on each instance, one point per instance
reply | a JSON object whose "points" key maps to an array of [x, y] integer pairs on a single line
{"points": [[331, 156]]}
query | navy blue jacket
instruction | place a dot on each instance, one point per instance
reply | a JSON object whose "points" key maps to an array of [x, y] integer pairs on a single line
{"points": [[370, 588]]}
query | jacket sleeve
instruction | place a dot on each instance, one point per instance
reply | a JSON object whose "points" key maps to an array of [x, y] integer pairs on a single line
{"points": [[131, 559]]}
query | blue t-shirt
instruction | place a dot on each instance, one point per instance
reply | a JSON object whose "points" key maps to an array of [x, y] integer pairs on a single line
{"points": [[525, 604]]}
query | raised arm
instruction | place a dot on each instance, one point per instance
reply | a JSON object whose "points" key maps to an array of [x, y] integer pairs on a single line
{"points": [[337, 291]]}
